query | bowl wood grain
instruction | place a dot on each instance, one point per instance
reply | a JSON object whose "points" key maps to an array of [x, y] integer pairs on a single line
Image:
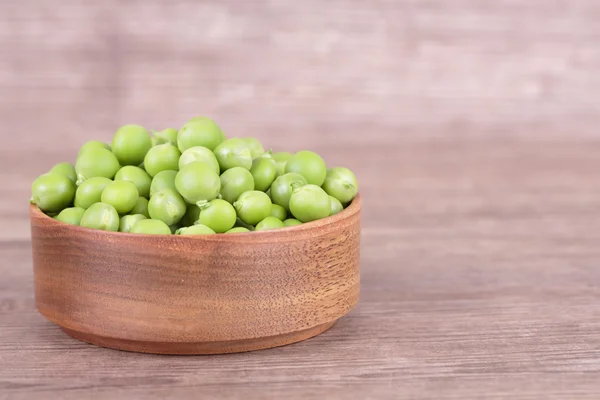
{"points": [[208, 294]]}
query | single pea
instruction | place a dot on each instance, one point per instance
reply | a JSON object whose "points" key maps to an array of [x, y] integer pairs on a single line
{"points": [[256, 148], [90, 191], [241, 224], [162, 157], [291, 222], [218, 215], [137, 176], [282, 187], [191, 216], [308, 164], [341, 183], [127, 221], [200, 132], [199, 153], [278, 212], [198, 229], [167, 206], [96, 162], [163, 180], [70, 215], [309, 203], [174, 228], [234, 153], [239, 229], [52, 192], [122, 195], [281, 158], [203, 120], [66, 169], [198, 183], [264, 173], [130, 144], [93, 144], [101, 216], [141, 207], [234, 182], [150, 227], [253, 206], [336, 206], [269, 223], [168, 135]]}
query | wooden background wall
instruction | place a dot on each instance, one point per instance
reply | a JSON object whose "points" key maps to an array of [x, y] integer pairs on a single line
{"points": [[333, 76]]}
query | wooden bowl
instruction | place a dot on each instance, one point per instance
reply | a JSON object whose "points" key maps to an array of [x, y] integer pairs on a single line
{"points": [[196, 294]]}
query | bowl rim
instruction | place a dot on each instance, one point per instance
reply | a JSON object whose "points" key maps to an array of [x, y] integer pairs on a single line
{"points": [[347, 213]]}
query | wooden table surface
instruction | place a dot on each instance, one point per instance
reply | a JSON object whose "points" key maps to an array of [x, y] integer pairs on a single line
{"points": [[473, 127], [480, 279]]}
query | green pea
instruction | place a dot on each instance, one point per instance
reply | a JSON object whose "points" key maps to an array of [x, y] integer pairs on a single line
{"points": [[70, 215], [282, 187], [308, 164], [93, 144], [141, 207], [241, 224], [137, 176], [234, 182], [281, 158], [195, 230], [96, 162], [269, 223], [163, 180], [162, 157], [341, 183], [255, 147], [309, 203], [101, 216], [167, 206], [168, 135], [234, 153], [218, 215], [291, 222], [198, 183], [200, 131], [52, 192], [199, 153], [203, 120], [122, 195], [336, 206], [90, 191], [278, 212], [191, 216], [253, 206], [264, 173], [66, 169], [239, 229], [127, 222], [150, 227], [130, 144]]}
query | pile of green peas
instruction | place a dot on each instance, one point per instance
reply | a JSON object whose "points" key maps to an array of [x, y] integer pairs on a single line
{"points": [[191, 181]]}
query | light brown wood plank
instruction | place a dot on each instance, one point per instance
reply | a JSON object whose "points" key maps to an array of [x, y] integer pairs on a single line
{"points": [[479, 279]]}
